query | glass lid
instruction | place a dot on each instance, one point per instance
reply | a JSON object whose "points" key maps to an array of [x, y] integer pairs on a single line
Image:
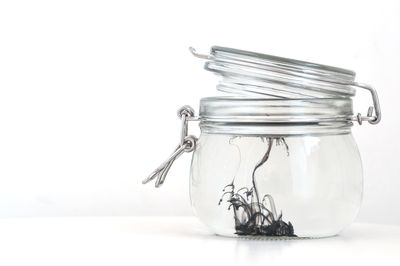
{"points": [[262, 75]]}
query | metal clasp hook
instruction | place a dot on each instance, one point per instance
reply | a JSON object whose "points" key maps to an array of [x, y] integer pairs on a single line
{"points": [[372, 119], [187, 144]]}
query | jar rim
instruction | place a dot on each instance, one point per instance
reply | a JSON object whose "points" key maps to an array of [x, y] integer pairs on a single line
{"points": [[265, 110], [250, 115], [246, 98]]}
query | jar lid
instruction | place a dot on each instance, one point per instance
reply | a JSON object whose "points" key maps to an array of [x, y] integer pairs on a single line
{"points": [[255, 74]]}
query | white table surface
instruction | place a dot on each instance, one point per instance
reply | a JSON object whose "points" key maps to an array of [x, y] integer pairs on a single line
{"points": [[181, 241]]}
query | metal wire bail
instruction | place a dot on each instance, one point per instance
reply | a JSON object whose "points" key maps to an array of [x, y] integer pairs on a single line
{"points": [[372, 119], [187, 144]]}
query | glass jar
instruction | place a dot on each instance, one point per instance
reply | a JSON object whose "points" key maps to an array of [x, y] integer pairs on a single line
{"points": [[276, 159]]}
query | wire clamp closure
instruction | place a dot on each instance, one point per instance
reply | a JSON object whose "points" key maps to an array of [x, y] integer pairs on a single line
{"points": [[187, 144], [372, 119]]}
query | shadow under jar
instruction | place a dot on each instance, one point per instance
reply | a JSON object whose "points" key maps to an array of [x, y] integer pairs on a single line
{"points": [[276, 159]]}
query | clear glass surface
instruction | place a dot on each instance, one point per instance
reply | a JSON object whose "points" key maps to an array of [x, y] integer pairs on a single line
{"points": [[294, 186]]}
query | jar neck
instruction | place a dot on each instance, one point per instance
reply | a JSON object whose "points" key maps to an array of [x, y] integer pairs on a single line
{"points": [[280, 117]]}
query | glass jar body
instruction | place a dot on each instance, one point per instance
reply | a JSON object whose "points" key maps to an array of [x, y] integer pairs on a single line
{"points": [[294, 186]]}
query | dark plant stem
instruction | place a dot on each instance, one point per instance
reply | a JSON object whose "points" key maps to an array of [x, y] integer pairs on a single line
{"points": [[263, 160]]}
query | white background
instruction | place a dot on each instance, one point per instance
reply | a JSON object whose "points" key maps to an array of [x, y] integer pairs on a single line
{"points": [[89, 92]]}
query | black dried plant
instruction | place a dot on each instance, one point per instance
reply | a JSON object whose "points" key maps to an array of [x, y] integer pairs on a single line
{"points": [[254, 215]]}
